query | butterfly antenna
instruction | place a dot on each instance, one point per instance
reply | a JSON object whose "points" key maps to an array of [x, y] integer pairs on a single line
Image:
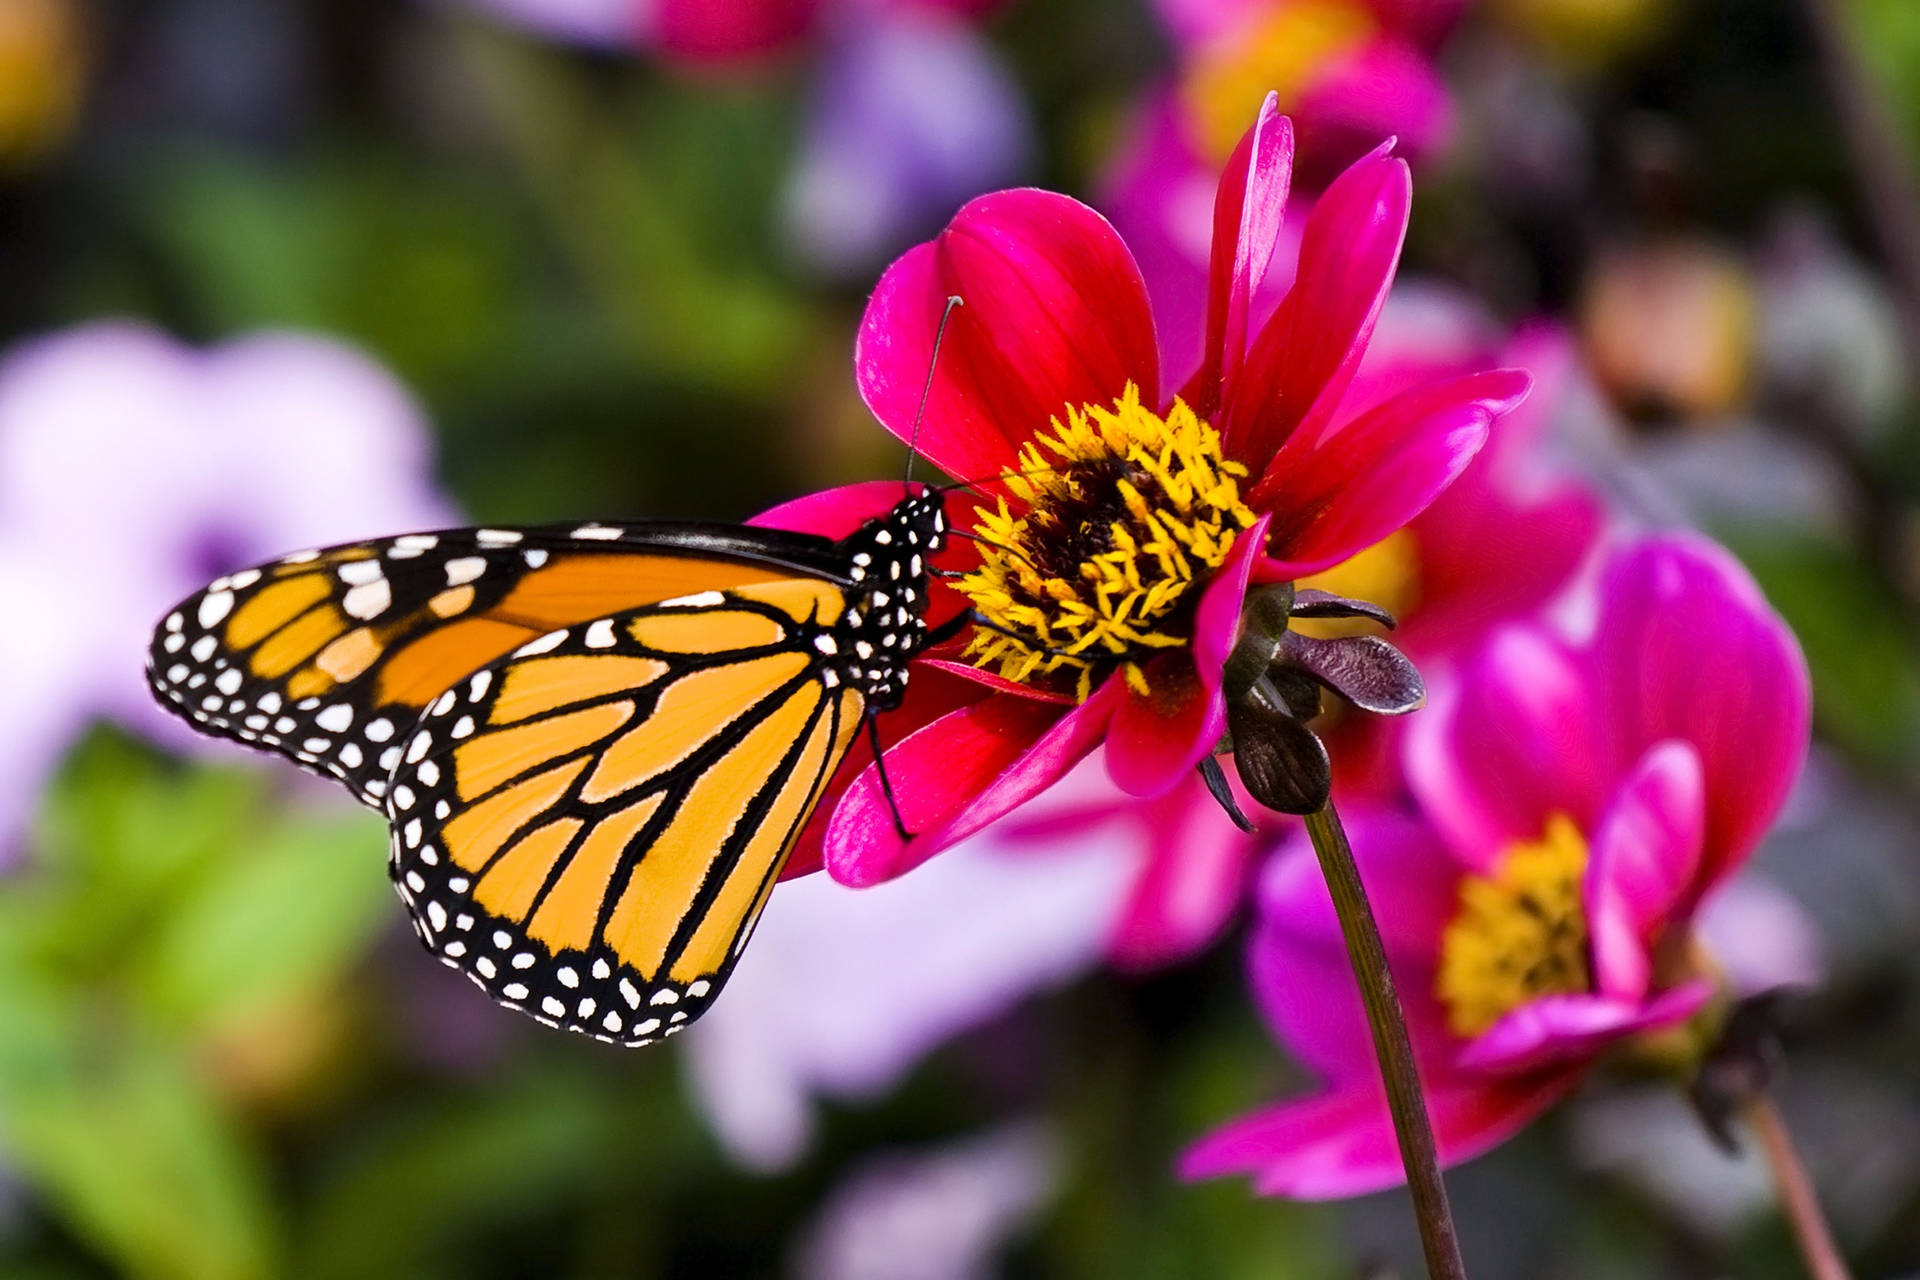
{"points": [[1001, 477], [926, 392]]}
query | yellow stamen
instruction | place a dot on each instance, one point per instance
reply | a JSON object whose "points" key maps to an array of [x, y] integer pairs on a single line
{"points": [[1519, 934], [1126, 511], [1280, 51], [1386, 573]]}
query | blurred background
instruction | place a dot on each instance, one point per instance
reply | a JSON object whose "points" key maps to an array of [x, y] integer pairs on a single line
{"points": [[278, 272]]}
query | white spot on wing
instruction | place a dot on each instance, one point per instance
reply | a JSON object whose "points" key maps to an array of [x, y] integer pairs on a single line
{"points": [[368, 601], [465, 570]]}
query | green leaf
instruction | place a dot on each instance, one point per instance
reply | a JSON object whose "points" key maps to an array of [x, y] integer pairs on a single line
{"points": [[1863, 657], [465, 1167], [271, 921], [137, 1159]]}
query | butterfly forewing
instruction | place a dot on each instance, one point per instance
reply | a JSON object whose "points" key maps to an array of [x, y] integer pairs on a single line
{"points": [[589, 827], [327, 657]]}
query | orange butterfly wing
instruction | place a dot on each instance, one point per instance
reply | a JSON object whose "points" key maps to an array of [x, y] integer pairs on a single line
{"points": [[329, 657], [590, 826]]}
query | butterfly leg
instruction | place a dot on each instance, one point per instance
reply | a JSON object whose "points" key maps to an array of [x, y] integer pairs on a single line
{"points": [[886, 783], [961, 621]]}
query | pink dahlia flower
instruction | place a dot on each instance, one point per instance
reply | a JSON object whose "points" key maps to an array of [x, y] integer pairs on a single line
{"points": [[1506, 538], [1574, 805], [1144, 515]]}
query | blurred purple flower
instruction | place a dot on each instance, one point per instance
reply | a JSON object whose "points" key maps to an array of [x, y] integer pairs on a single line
{"points": [[590, 22], [133, 468], [911, 113], [844, 990], [939, 1215]]}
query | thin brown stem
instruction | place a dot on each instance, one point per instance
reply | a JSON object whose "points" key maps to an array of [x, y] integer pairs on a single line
{"points": [[1391, 1044], [1797, 1198], [1880, 156]]}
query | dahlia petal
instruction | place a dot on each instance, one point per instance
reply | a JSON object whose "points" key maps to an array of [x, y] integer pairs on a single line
{"points": [[699, 31], [1157, 740], [1573, 1029], [1302, 361], [1297, 957], [1646, 851], [1342, 1143], [955, 776], [1054, 314], [1194, 878], [834, 513], [1538, 548], [1504, 746], [931, 695], [1687, 647], [1249, 209], [1335, 497], [996, 682]]}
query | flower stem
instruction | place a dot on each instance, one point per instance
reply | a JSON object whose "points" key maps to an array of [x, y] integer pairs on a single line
{"points": [[1888, 183], [1391, 1044], [1797, 1197]]}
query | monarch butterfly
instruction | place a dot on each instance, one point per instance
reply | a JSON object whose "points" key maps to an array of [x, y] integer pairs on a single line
{"points": [[594, 745]]}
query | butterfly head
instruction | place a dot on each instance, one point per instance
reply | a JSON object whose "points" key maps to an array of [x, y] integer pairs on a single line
{"points": [[885, 623]]}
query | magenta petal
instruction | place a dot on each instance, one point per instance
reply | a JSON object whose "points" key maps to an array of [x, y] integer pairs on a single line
{"points": [[1157, 740], [1506, 745], [1298, 961], [700, 31], [1342, 1142], [1302, 361], [1054, 314], [1249, 209], [1573, 1029], [955, 776], [1645, 854], [1384, 87], [1194, 878], [1485, 557], [834, 513], [1687, 647], [1335, 497]]}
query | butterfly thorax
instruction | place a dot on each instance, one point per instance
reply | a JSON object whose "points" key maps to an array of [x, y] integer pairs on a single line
{"points": [[885, 623]]}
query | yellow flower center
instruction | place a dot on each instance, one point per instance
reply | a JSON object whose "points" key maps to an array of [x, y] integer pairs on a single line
{"points": [[1386, 573], [1279, 51], [1120, 513], [1519, 934]]}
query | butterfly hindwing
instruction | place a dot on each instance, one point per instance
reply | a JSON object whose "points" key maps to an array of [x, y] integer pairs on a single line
{"points": [[589, 826], [327, 657]]}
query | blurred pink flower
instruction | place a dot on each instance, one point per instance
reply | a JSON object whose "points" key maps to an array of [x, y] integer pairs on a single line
{"points": [[1351, 74], [911, 111], [1575, 804], [843, 991], [1057, 323], [944, 1214], [133, 469]]}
